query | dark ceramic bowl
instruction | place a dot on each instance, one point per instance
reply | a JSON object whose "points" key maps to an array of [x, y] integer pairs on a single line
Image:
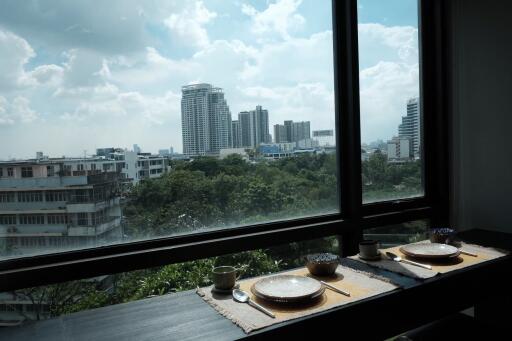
{"points": [[322, 264], [441, 235]]}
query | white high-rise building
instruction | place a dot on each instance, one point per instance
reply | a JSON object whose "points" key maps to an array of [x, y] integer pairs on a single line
{"points": [[205, 120], [411, 125]]}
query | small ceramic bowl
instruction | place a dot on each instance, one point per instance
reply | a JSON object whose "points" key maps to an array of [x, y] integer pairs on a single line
{"points": [[322, 264], [441, 235]]}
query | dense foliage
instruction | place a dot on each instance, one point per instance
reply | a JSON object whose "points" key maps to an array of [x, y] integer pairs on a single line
{"points": [[213, 193], [384, 181]]}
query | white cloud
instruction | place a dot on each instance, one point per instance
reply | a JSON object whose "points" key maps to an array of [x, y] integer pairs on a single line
{"points": [[109, 105], [15, 53], [280, 17], [378, 42], [188, 24], [18, 111], [385, 89], [48, 74]]}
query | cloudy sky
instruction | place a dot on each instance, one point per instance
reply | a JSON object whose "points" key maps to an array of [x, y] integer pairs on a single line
{"points": [[79, 75]]}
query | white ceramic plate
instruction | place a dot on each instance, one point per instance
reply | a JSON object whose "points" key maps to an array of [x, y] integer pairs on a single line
{"points": [[430, 250], [287, 288]]}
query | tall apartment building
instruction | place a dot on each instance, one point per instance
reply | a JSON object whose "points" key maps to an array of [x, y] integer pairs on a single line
{"points": [[252, 128], [54, 204], [236, 141], [411, 125], [280, 134], [259, 127], [292, 131], [300, 131], [205, 120], [244, 126]]}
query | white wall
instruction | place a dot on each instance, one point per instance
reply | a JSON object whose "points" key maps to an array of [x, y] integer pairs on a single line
{"points": [[481, 93]]}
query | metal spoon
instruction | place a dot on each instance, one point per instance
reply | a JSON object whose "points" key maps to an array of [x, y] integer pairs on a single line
{"points": [[396, 258], [243, 297]]}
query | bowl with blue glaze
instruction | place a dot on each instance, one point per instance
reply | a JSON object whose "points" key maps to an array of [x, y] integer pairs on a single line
{"points": [[442, 235]]}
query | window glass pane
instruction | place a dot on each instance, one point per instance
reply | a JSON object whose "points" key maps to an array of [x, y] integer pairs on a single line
{"points": [[54, 300], [154, 118], [390, 99], [399, 234]]}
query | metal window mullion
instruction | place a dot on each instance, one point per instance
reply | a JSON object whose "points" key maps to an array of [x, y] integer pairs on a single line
{"points": [[348, 119]]}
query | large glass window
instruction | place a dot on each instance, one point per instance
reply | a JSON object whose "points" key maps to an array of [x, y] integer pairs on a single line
{"points": [[226, 109], [391, 114]]}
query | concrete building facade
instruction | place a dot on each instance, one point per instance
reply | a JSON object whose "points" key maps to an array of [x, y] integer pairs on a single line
{"points": [[49, 205]]}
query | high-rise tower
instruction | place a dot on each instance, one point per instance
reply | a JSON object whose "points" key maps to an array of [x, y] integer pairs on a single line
{"points": [[205, 120], [411, 125]]}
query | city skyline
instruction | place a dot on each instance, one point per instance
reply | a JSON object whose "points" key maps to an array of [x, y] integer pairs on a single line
{"points": [[84, 81]]}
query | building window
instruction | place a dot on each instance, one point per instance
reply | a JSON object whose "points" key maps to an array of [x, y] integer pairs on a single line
{"points": [[26, 172], [10, 172], [57, 219], [93, 166], [50, 171], [80, 167], [30, 196], [1, 172], [31, 219], [56, 196], [6, 196], [82, 219], [9, 219]]}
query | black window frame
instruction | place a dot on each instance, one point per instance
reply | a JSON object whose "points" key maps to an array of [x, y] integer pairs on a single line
{"points": [[349, 223], [27, 172]]}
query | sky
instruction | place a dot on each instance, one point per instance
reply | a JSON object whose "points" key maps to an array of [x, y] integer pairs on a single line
{"points": [[80, 75]]}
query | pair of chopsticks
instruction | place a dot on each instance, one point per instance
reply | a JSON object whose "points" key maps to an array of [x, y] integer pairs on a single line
{"points": [[346, 293], [468, 253]]}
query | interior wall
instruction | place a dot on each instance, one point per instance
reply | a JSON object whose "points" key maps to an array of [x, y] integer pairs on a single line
{"points": [[480, 73]]}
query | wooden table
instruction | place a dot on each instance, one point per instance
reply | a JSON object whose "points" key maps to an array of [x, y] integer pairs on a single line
{"points": [[184, 316]]}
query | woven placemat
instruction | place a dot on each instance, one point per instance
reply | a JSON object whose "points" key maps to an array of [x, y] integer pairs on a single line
{"points": [[359, 284], [483, 254]]}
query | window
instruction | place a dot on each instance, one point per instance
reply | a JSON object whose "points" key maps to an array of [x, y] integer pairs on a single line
{"points": [[390, 104], [67, 170], [56, 196], [82, 219], [26, 172], [261, 149], [8, 219], [1, 172], [10, 172], [57, 219], [6, 197], [30, 196], [50, 171], [31, 219]]}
